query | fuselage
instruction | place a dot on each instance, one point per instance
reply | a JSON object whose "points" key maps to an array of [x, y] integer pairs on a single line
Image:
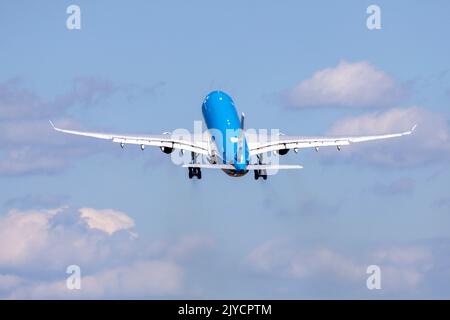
{"points": [[223, 123]]}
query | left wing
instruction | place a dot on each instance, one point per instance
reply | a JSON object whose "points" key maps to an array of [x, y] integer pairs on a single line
{"points": [[162, 140], [291, 142]]}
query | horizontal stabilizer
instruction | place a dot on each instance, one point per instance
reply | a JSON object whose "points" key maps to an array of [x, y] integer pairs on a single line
{"points": [[209, 166], [273, 167], [249, 167]]}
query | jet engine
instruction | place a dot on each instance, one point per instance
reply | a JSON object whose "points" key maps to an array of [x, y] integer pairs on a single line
{"points": [[166, 149]]}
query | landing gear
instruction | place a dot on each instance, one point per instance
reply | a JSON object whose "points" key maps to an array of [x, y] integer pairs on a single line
{"points": [[260, 173], [195, 172]]}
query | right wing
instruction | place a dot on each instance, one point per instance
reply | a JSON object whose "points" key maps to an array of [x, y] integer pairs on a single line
{"points": [[292, 142], [162, 140]]}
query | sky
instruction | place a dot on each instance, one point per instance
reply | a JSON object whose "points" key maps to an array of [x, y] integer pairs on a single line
{"points": [[134, 223]]}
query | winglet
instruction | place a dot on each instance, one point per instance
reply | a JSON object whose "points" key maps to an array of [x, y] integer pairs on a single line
{"points": [[52, 124], [413, 128]]}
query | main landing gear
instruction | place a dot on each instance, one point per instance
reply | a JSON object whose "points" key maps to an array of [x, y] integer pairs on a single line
{"points": [[260, 173], [194, 172]]}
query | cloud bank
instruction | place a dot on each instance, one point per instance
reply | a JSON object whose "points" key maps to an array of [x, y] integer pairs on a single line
{"points": [[107, 220], [29, 144], [404, 268], [357, 84], [430, 142], [360, 84], [36, 246]]}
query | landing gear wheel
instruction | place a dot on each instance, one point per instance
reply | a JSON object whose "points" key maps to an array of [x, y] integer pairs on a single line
{"points": [[263, 174], [260, 173], [195, 172]]}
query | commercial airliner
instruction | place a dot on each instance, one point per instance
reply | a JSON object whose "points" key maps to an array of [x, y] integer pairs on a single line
{"points": [[227, 146]]}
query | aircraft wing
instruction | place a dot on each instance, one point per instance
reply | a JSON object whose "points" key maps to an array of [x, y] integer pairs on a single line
{"points": [[162, 140], [292, 142]]}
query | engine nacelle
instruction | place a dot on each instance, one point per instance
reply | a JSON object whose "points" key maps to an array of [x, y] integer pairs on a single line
{"points": [[166, 149], [282, 152]]}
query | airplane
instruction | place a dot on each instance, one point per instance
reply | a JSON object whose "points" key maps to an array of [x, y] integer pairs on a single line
{"points": [[233, 154]]}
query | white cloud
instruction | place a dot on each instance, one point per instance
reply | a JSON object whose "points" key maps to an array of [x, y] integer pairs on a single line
{"points": [[107, 220], [23, 235], [430, 142], [36, 246], [30, 146], [403, 268], [139, 279], [358, 84]]}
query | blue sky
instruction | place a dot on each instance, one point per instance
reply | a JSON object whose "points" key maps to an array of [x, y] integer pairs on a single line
{"points": [[134, 222]]}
